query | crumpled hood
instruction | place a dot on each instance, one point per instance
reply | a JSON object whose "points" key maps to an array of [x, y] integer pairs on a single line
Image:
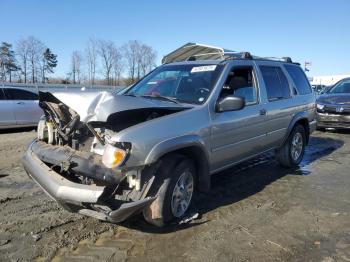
{"points": [[97, 106], [339, 99]]}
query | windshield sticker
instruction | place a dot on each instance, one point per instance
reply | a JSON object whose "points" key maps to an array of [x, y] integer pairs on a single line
{"points": [[208, 68]]}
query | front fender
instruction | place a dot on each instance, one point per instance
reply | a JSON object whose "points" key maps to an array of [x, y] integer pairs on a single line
{"points": [[192, 144]]}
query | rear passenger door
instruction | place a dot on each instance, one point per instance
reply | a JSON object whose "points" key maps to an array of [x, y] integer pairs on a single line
{"points": [[7, 116], [304, 97], [279, 105], [25, 106]]}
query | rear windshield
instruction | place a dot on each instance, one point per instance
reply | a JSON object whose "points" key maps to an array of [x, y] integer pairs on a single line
{"points": [[184, 83]]}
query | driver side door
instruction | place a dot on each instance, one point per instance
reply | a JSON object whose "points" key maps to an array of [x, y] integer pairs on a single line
{"points": [[236, 135]]}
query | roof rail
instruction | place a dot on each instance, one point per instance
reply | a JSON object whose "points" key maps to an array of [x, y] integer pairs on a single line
{"points": [[281, 59], [223, 55]]}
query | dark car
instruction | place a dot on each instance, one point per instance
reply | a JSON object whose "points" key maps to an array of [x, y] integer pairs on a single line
{"points": [[319, 89], [333, 107]]}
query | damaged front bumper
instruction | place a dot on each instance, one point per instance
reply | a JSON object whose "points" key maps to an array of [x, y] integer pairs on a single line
{"points": [[81, 196], [325, 120]]}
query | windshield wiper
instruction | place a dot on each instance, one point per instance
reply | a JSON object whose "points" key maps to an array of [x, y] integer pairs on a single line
{"points": [[131, 94], [166, 98]]}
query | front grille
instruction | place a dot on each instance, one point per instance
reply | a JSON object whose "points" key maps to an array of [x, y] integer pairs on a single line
{"points": [[336, 109]]}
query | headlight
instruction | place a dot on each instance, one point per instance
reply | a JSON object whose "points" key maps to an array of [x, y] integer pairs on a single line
{"points": [[319, 106], [113, 156]]}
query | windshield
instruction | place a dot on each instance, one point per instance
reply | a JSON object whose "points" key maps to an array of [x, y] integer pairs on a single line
{"points": [[182, 83], [341, 87]]}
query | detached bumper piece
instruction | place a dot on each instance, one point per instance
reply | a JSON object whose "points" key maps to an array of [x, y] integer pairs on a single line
{"points": [[68, 193]]}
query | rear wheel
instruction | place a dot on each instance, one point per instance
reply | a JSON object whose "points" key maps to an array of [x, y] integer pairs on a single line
{"points": [[174, 187], [292, 152]]}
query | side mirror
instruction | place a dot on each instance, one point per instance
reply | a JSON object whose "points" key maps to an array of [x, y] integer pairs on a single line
{"points": [[230, 103]]}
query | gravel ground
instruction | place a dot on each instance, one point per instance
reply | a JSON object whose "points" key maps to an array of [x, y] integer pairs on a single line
{"points": [[256, 211]]}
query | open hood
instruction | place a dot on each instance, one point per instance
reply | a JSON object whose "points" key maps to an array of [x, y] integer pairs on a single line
{"points": [[98, 106]]}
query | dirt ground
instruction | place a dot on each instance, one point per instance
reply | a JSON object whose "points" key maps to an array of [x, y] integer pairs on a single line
{"points": [[256, 211]]}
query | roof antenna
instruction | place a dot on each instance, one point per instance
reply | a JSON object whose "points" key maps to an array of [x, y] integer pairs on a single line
{"points": [[247, 55], [287, 59]]}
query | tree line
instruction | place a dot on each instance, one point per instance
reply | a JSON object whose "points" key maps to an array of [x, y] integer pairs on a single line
{"points": [[109, 64], [30, 61], [101, 62]]}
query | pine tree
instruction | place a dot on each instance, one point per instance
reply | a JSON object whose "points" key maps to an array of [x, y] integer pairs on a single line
{"points": [[8, 62], [49, 63]]}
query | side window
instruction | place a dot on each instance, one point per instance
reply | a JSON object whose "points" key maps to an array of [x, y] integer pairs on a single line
{"points": [[300, 81], [276, 83], [2, 95], [19, 94], [241, 82]]}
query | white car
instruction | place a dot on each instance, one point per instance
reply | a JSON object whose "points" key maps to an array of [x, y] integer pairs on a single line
{"points": [[18, 108]]}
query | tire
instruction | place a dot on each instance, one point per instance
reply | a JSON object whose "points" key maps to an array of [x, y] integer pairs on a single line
{"points": [[171, 169], [286, 155], [322, 129]]}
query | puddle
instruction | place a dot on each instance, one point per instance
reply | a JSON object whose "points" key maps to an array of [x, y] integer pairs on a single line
{"points": [[319, 147]]}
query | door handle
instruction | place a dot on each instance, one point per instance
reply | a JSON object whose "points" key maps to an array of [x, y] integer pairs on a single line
{"points": [[262, 112], [20, 103]]}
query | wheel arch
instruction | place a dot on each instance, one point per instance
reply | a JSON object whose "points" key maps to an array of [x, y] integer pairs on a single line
{"points": [[190, 146], [301, 119]]}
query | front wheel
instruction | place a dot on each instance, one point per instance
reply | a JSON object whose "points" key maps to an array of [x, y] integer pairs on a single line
{"points": [[175, 187], [292, 152]]}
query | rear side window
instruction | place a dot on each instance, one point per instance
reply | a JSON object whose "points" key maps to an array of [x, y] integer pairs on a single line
{"points": [[2, 95], [18, 94], [300, 81], [276, 83]]}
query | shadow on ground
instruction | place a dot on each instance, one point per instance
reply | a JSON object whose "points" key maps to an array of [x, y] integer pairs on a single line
{"points": [[244, 180], [16, 130]]}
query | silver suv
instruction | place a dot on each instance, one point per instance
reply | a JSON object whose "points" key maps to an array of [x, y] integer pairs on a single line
{"points": [[151, 148]]}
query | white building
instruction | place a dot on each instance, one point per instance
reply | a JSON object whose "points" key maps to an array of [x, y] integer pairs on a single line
{"points": [[327, 80]]}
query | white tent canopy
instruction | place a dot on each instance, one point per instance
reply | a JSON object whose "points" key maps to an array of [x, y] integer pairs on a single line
{"points": [[200, 51], [194, 51]]}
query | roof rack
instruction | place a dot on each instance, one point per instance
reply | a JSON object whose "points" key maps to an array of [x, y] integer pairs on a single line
{"points": [[223, 55], [193, 51], [272, 58]]}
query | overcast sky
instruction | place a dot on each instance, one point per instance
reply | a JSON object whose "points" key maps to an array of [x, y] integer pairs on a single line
{"points": [[316, 31]]}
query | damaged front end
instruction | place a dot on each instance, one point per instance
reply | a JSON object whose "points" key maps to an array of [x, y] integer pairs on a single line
{"points": [[75, 162]]}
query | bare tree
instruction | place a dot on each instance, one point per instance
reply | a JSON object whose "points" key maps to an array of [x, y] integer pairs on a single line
{"points": [[117, 66], [35, 51], [107, 50], [147, 59], [132, 57], [140, 59], [76, 67], [22, 51], [91, 58]]}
